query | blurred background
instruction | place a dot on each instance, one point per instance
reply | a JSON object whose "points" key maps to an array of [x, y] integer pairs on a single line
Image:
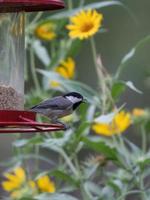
{"points": [[123, 31]]}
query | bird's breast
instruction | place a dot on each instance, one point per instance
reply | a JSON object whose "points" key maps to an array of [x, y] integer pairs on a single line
{"points": [[58, 113]]}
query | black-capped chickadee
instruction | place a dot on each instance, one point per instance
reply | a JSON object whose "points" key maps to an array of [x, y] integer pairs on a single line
{"points": [[59, 106]]}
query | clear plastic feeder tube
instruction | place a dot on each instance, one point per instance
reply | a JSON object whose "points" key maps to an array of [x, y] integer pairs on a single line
{"points": [[12, 55]]}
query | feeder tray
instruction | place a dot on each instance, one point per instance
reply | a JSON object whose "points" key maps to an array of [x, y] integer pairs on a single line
{"points": [[30, 5], [14, 121]]}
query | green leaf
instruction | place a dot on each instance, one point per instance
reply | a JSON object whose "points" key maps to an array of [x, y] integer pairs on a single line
{"points": [[56, 143], [20, 143], [144, 160], [124, 62], [128, 56], [64, 176], [90, 114], [31, 141], [90, 170], [25, 198], [56, 196], [98, 5], [50, 75], [116, 185], [147, 126], [74, 47], [62, 52], [70, 85], [82, 128], [37, 139], [107, 118], [102, 147], [92, 189], [22, 158], [41, 52], [134, 148], [117, 89], [132, 87], [107, 193], [77, 137]]}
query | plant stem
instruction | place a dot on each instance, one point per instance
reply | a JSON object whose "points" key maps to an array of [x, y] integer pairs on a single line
{"points": [[68, 162], [143, 194], [30, 26], [52, 49], [144, 139], [70, 4], [37, 159], [103, 84], [125, 150], [33, 71], [98, 69], [84, 194], [119, 71], [81, 3], [76, 172], [36, 18], [93, 46]]}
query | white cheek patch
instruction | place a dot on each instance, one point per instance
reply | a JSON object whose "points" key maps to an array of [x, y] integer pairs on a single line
{"points": [[73, 99]]}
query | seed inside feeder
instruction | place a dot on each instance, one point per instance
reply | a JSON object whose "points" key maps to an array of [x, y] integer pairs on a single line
{"points": [[10, 99]]}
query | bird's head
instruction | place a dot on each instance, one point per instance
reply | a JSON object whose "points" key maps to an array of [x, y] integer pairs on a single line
{"points": [[76, 98]]}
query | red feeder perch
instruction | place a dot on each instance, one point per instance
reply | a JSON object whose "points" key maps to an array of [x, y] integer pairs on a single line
{"points": [[12, 121], [13, 118]]}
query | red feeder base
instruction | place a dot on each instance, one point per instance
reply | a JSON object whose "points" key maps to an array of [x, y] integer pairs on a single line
{"points": [[18, 121]]}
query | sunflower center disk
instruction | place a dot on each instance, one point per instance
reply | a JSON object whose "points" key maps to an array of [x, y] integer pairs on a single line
{"points": [[86, 27]]}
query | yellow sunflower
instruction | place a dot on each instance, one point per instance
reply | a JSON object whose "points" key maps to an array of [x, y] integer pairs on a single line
{"points": [[46, 31], [18, 185], [45, 184], [118, 125], [85, 24], [138, 112], [66, 69], [15, 179]]}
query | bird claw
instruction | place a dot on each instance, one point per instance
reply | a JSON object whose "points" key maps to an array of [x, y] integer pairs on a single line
{"points": [[61, 123], [66, 127]]}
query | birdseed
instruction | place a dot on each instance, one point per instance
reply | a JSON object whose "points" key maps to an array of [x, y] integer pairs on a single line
{"points": [[10, 99]]}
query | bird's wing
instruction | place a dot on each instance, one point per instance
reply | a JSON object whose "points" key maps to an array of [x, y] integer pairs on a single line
{"points": [[59, 103]]}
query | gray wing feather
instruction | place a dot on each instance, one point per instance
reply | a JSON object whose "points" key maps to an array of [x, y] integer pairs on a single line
{"points": [[59, 103]]}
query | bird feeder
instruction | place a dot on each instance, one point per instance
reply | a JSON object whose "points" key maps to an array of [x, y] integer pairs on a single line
{"points": [[13, 118]]}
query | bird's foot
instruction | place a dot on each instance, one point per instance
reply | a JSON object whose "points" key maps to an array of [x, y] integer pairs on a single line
{"points": [[61, 123]]}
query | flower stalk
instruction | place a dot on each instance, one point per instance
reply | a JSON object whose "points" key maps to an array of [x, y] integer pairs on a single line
{"points": [[144, 138], [69, 163], [33, 71]]}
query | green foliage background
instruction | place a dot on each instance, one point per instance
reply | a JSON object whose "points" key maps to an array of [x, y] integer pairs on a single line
{"points": [[84, 165]]}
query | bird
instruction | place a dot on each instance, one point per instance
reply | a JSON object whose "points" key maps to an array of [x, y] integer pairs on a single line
{"points": [[59, 106]]}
